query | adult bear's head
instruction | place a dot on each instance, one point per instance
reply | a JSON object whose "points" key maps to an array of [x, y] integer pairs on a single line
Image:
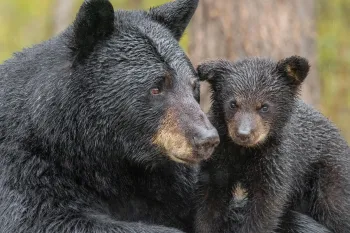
{"points": [[131, 89]]}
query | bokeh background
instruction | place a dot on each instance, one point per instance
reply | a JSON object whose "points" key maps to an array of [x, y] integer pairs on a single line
{"points": [[233, 29]]}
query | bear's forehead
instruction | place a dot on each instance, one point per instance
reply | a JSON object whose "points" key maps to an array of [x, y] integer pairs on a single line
{"points": [[158, 38], [165, 44], [251, 73], [254, 78], [251, 85], [254, 68]]}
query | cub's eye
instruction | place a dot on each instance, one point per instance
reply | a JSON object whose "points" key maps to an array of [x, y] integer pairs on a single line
{"points": [[264, 108], [155, 91], [233, 105]]}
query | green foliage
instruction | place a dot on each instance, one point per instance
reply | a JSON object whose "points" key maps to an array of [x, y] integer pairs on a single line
{"points": [[22, 23], [334, 60]]}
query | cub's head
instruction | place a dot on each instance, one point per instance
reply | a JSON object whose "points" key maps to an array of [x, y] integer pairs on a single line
{"points": [[253, 98], [132, 89]]}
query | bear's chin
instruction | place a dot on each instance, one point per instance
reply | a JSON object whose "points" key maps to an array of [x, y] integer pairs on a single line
{"points": [[190, 160], [250, 143]]}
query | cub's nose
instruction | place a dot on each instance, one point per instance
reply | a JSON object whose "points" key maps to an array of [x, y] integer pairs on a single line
{"points": [[243, 133], [206, 142]]}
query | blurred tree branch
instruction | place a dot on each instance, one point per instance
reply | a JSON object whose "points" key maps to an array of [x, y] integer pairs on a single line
{"points": [[62, 12]]}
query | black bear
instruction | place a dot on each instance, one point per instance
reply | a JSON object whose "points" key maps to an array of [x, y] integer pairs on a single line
{"points": [[101, 126], [276, 153]]}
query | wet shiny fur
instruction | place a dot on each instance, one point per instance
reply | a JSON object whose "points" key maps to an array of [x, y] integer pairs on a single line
{"points": [[302, 163]]}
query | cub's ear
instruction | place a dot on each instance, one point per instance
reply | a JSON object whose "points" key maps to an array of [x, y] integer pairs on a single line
{"points": [[94, 22], [294, 68], [175, 15], [213, 71]]}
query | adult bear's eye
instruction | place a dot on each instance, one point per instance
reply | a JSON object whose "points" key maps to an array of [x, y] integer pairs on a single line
{"points": [[155, 91], [164, 83]]}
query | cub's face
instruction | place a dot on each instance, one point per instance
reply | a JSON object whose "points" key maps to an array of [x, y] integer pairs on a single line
{"points": [[249, 120], [254, 97]]}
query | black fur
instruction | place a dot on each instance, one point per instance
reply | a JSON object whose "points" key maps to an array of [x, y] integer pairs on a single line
{"points": [[302, 164], [295, 222], [77, 120], [175, 16], [94, 22]]}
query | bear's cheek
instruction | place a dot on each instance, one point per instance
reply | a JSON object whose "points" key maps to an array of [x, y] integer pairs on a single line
{"points": [[231, 127], [260, 137], [172, 140], [262, 132]]}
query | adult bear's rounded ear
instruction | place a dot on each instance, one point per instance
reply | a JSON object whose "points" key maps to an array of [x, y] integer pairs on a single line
{"points": [[175, 15], [94, 22], [295, 69]]}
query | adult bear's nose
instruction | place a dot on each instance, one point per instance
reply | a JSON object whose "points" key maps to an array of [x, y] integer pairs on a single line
{"points": [[205, 142]]}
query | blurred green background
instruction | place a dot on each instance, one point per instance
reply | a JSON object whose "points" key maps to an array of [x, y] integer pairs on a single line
{"points": [[24, 23]]}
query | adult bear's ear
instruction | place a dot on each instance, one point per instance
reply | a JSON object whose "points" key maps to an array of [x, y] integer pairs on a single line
{"points": [[213, 72], [295, 69], [93, 23], [175, 15]]}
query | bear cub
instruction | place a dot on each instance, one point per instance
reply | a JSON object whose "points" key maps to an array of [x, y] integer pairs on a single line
{"points": [[277, 154]]}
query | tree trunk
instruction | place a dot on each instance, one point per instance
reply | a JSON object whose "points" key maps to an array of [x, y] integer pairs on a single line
{"points": [[63, 11], [235, 29]]}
